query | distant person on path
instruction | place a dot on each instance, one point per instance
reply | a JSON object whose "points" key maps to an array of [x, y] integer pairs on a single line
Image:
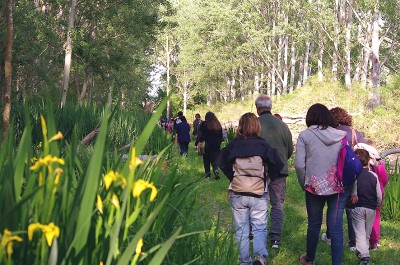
{"points": [[278, 116], [377, 165], [344, 122], [183, 135], [277, 133], [317, 151], [211, 133], [368, 198], [243, 162], [196, 125]]}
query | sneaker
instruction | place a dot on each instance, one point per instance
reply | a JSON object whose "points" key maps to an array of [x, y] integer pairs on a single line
{"points": [[373, 247], [216, 173], [324, 237], [304, 261], [353, 249], [275, 244], [259, 261], [363, 261]]}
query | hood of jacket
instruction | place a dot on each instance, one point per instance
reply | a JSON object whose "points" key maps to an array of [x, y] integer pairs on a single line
{"points": [[328, 136]]}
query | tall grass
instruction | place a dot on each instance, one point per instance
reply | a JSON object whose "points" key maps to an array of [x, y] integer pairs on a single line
{"points": [[55, 210], [391, 207]]}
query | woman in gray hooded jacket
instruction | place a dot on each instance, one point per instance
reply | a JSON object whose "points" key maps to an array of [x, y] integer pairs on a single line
{"points": [[317, 150]]}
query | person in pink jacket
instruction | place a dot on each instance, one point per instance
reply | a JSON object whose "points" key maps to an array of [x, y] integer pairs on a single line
{"points": [[378, 166]]}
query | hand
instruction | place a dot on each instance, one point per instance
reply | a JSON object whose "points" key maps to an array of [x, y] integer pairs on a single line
{"points": [[354, 199]]}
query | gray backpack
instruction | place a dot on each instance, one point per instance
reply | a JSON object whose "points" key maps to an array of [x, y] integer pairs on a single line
{"points": [[249, 175]]}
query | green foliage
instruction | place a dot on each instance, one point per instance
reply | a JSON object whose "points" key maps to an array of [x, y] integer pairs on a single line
{"points": [[391, 203], [39, 196]]}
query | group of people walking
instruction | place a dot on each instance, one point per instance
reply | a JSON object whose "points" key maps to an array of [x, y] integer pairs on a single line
{"points": [[256, 164]]}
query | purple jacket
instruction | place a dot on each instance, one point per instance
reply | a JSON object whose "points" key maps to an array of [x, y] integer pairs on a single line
{"points": [[359, 136]]}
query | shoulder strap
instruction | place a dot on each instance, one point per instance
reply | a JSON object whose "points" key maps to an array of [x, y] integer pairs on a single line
{"points": [[354, 139]]}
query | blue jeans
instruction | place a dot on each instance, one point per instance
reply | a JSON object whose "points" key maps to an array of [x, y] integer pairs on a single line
{"points": [[315, 209], [255, 210]]}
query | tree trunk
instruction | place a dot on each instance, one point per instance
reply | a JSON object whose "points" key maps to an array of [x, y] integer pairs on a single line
{"points": [[8, 67], [285, 65], [366, 56], [68, 52], [232, 86], [84, 86], [301, 69], [335, 56], [279, 85], [257, 83], [376, 69], [241, 83], [185, 92], [168, 80], [320, 50], [292, 67], [347, 78], [375, 97]]}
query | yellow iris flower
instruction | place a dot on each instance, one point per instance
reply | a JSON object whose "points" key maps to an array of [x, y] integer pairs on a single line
{"points": [[58, 172], [44, 126], [99, 204], [50, 231], [56, 137], [7, 241], [139, 246], [47, 161], [140, 185], [135, 161], [115, 201], [112, 176]]}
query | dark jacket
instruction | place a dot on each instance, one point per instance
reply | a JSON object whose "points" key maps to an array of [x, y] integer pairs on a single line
{"points": [[368, 190], [212, 139], [183, 132], [277, 133], [255, 146]]}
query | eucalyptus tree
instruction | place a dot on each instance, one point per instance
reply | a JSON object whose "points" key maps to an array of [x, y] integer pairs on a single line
{"points": [[8, 66]]}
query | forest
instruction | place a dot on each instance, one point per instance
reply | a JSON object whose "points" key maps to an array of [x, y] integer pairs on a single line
{"points": [[202, 51], [83, 85]]}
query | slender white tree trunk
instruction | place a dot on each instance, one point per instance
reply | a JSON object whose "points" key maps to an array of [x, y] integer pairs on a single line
{"points": [[285, 65], [301, 68], [375, 97], [376, 67], [241, 83], [335, 56], [168, 77], [292, 67], [366, 57], [347, 78], [68, 52], [185, 93]]}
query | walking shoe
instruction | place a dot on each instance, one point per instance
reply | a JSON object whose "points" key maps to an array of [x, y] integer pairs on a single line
{"points": [[324, 237], [304, 261], [275, 244], [373, 247], [259, 261], [363, 261], [216, 173]]}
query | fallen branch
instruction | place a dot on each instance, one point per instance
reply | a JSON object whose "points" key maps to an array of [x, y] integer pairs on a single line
{"points": [[90, 136]]}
